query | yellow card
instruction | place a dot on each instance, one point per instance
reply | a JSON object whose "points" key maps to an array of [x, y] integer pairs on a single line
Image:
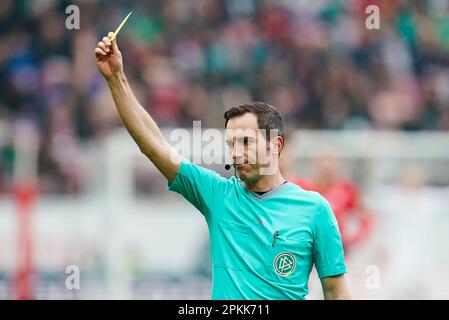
{"points": [[119, 27]]}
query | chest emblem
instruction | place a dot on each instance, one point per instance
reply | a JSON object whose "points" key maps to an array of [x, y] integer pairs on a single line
{"points": [[284, 264]]}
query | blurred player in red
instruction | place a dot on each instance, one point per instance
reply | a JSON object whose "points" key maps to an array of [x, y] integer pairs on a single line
{"points": [[342, 194]]}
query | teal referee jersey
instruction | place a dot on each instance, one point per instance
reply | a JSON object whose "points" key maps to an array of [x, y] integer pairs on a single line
{"points": [[262, 246]]}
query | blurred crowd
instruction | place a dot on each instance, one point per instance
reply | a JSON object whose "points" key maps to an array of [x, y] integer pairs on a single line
{"points": [[191, 59]]}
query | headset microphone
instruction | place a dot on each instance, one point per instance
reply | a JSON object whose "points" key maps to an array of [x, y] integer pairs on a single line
{"points": [[229, 166]]}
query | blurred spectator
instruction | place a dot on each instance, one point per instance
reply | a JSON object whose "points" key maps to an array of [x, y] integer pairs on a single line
{"points": [[189, 59]]}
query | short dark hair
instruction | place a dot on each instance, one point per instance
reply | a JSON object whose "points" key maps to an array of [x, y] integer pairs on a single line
{"points": [[268, 117]]}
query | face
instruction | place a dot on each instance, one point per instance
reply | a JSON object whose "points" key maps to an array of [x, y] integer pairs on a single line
{"points": [[252, 155]]}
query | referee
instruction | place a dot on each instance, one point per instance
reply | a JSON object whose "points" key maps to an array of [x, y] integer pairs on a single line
{"points": [[265, 233]]}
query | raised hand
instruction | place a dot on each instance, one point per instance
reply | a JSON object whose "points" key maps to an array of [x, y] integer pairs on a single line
{"points": [[108, 57]]}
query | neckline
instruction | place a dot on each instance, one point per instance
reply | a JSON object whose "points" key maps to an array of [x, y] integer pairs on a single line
{"points": [[263, 192], [267, 194]]}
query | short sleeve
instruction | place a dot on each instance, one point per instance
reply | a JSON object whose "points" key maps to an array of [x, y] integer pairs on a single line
{"points": [[328, 252], [200, 186]]}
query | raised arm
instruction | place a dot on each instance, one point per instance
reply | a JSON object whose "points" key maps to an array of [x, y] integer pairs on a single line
{"points": [[140, 125]]}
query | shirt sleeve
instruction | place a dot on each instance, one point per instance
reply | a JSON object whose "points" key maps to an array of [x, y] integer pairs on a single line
{"points": [[328, 252], [200, 186]]}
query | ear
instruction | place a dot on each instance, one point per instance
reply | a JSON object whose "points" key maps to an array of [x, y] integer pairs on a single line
{"points": [[278, 145]]}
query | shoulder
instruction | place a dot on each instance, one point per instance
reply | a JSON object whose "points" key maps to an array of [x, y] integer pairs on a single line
{"points": [[317, 204], [188, 167], [201, 177], [312, 197], [309, 201]]}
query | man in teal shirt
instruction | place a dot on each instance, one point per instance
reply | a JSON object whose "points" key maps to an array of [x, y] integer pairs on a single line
{"points": [[262, 246], [265, 233]]}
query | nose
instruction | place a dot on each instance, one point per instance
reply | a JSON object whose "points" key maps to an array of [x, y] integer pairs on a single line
{"points": [[237, 154]]}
